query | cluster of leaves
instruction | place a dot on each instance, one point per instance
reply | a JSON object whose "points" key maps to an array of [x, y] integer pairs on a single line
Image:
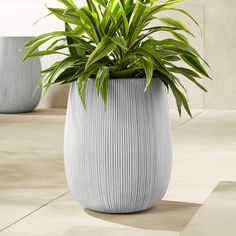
{"points": [[113, 39]]}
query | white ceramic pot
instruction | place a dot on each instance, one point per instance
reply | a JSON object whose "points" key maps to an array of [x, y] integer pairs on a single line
{"points": [[18, 80], [119, 160]]}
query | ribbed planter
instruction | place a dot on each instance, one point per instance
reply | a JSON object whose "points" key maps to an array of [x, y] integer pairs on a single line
{"points": [[18, 81], [119, 160]]}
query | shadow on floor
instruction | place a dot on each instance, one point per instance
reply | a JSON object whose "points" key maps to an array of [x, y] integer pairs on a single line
{"points": [[167, 216]]}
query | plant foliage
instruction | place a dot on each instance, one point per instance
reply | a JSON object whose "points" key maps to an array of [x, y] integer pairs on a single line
{"points": [[113, 39]]}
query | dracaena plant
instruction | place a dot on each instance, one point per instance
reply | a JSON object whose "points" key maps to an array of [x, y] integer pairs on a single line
{"points": [[113, 39]]}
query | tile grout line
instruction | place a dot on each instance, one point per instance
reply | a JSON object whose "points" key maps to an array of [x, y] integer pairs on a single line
{"points": [[32, 212], [185, 122]]}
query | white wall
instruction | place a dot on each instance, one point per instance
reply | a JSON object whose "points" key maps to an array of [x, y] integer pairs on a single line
{"points": [[217, 18], [220, 51]]}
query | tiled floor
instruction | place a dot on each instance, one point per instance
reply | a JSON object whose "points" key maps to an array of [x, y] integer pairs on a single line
{"points": [[34, 198], [217, 215]]}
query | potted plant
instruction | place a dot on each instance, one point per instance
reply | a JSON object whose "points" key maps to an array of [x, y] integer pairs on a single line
{"points": [[118, 147]]}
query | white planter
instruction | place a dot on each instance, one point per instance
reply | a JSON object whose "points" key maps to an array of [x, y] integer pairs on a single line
{"points": [[119, 160], [18, 80]]}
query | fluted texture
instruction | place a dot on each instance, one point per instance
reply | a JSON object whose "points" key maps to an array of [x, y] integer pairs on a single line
{"points": [[119, 160], [18, 81]]}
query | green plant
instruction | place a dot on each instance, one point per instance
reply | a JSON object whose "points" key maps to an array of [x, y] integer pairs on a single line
{"points": [[113, 39]]}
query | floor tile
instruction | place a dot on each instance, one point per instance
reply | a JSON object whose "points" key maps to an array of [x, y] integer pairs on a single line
{"points": [[204, 154], [32, 179], [65, 216], [177, 121], [217, 215], [31, 164]]}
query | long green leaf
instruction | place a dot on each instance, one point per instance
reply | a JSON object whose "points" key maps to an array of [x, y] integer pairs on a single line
{"points": [[196, 64], [119, 41], [125, 21], [157, 8], [175, 23], [70, 40], [91, 21], [102, 2], [33, 48], [51, 35], [135, 21], [103, 48], [188, 74], [82, 87], [148, 67], [68, 3], [62, 15], [102, 80], [188, 15]]}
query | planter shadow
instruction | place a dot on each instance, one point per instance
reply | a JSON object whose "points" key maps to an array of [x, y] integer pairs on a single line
{"points": [[167, 216]]}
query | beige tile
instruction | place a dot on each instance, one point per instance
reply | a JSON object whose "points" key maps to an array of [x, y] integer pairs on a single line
{"points": [[43, 134], [204, 154], [32, 175], [9, 119], [220, 52], [6, 119], [177, 121], [31, 164], [217, 215], [65, 216], [17, 204]]}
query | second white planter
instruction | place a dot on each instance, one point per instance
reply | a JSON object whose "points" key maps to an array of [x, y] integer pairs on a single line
{"points": [[119, 160], [18, 81]]}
